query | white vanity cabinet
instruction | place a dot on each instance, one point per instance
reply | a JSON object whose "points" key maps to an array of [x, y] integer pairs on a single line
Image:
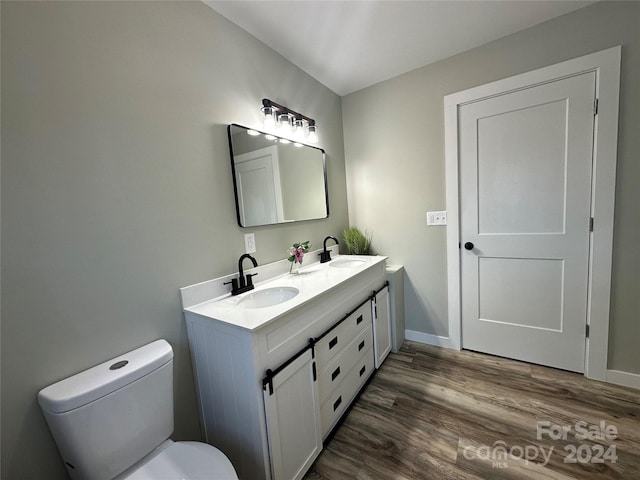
{"points": [[273, 382]]}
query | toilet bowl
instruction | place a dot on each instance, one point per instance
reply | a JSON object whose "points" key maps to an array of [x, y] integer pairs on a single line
{"points": [[182, 460], [113, 422]]}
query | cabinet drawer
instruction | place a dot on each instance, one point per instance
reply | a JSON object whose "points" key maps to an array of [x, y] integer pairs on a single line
{"points": [[337, 339], [332, 374], [336, 403]]}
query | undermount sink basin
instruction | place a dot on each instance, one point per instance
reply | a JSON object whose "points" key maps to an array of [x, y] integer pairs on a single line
{"points": [[346, 263], [269, 297]]}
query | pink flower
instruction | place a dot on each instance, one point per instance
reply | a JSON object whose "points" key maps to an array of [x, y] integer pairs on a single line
{"points": [[297, 251]]}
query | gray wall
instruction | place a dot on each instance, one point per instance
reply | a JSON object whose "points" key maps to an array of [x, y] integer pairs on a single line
{"points": [[394, 146], [116, 189]]}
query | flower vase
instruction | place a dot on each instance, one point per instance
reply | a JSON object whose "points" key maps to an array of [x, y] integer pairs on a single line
{"points": [[295, 268]]}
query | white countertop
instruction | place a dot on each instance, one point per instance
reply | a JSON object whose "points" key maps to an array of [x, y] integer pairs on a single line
{"points": [[312, 281]]}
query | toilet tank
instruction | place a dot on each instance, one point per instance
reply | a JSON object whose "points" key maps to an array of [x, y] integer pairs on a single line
{"points": [[109, 417]]}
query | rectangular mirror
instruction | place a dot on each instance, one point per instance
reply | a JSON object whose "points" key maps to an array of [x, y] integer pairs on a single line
{"points": [[276, 180]]}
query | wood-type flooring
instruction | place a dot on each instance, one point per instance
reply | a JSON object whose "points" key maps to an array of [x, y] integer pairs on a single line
{"points": [[434, 413]]}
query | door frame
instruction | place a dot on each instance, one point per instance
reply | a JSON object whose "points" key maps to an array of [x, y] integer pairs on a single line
{"points": [[606, 65]]}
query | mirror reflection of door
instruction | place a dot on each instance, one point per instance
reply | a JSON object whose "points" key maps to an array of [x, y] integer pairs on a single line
{"points": [[258, 185]]}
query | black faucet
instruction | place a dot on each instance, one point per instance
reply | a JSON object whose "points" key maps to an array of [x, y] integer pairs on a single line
{"points": [[325, 255], [241, 284]]}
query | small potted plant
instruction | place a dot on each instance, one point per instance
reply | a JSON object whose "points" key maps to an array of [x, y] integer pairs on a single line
{"points": [[357, 243]]}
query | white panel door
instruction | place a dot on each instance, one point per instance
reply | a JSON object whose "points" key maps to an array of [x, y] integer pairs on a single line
{"points": [[525, 190], [258, 185], [292, 408]]}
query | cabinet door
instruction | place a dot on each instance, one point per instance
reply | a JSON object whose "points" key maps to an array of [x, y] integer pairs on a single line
{"points": [[293, 419], [381, 325]]}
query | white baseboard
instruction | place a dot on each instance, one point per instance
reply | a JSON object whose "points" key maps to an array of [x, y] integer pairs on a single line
{"points": [[429, 339], [625, 379]]}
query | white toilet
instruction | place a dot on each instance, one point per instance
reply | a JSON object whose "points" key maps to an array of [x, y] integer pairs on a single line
{"points": [[113, 421]]}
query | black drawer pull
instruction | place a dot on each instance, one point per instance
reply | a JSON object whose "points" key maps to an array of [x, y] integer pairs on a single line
{"points": [[359, 320], [337, 403], [361, 346], [363, 369], [335, 373], [333, 342]]}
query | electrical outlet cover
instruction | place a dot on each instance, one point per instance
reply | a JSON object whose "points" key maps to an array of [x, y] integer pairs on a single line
{"points": [[249, 243], [436, 218]]}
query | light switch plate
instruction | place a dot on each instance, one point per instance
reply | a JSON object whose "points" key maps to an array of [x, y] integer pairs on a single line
{"points": [[436, 218], [249, 243]]}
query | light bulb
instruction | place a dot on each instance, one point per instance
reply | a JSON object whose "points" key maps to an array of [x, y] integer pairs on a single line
{"points": [[253, 133], [269, 117], [300, 129], [312, 136], [285, 122]]}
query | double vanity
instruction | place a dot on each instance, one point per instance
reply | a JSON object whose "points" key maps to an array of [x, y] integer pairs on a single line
{"points": [[277, 367]]}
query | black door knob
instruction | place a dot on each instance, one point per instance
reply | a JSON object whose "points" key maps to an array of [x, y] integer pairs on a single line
{"points": [[468, 246]]}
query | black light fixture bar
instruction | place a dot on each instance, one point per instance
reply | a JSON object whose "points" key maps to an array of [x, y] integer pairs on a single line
{"points": [[282, 109]]}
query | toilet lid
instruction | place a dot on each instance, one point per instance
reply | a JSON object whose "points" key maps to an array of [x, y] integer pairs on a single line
{"points": [[186, 461]]}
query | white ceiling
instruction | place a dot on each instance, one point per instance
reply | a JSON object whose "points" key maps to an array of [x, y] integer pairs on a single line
{"points": [[349, 45]]}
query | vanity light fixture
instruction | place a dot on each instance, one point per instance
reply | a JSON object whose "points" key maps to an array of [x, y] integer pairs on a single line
{"points": [[289, 122]]}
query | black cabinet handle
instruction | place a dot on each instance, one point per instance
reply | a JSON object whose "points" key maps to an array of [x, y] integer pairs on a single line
{"points": [[333, 342], [337, 403], [469, 246], [359, 320], [363, 369], [335, 373], [361, 346]]}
